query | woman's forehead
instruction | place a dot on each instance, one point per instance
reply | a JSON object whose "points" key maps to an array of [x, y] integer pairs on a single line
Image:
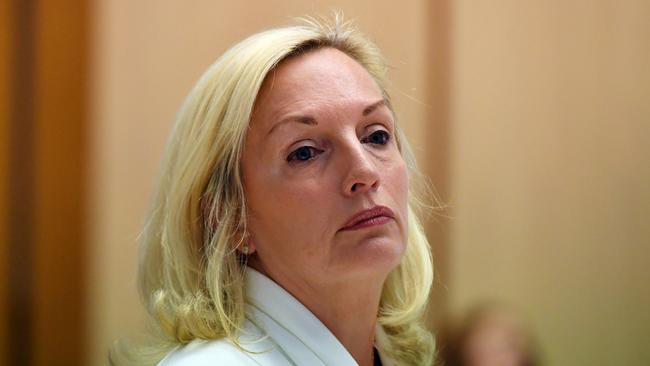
{"points": [[319, 79]]}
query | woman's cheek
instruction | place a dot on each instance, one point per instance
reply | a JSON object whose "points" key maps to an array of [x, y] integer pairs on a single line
{"points": [[300, 200], [402, 189]]}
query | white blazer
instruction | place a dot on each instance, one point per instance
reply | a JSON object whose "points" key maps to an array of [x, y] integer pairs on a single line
{"points": [[290, 335]]}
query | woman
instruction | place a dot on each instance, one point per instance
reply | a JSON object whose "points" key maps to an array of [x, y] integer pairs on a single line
{"points": [[283, 230]]}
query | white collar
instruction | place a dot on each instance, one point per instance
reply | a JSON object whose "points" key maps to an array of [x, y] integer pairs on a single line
{"points": [[273, 303]]}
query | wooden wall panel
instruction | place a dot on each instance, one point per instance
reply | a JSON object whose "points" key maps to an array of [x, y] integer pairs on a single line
{"points": [[6, 26], [42, 118], [60, 99], [19, 239]]}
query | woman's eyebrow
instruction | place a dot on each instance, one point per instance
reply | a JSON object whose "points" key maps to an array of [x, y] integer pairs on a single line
{"points": [[309, 120], [371, 108]]}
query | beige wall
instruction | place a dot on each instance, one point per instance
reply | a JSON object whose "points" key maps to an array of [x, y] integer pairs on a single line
{"points": [[550, 171], [548, 175], [146, 56]]}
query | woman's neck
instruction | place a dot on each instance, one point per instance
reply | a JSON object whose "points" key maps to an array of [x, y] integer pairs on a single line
{"points": [[350, 314], [347, 308]]}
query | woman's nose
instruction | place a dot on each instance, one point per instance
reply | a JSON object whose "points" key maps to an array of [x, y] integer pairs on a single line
{"points": [[362, 173]]}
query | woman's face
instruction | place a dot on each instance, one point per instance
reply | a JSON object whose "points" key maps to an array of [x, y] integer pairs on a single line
{"points": [[321, 149]]}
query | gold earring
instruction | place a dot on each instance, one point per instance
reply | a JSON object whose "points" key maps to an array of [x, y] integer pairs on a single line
{"points": [[244, 250]]}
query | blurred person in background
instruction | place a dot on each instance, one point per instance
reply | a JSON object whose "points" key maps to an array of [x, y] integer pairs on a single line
{"points": [[284, 229], [490, 335]]}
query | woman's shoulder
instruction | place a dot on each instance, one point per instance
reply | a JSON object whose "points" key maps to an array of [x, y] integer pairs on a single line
{"points": [[204, 353], [254, 348]]}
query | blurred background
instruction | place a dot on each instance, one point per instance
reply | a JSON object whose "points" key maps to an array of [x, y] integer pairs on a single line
{"points": [[531, 119]]}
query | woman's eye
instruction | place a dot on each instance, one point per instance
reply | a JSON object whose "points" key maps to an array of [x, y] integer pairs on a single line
{"points": [[379, 137], [303, 153]]}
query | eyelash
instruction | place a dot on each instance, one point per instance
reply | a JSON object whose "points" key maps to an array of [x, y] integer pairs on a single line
{"points": [[376, 133], [294, 154]]}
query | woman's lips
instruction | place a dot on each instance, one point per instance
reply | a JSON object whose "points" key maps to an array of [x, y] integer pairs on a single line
{"points": [[377, 215]]}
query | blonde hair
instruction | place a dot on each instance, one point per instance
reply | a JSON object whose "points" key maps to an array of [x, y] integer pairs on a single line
{"points": [[190, 277]]}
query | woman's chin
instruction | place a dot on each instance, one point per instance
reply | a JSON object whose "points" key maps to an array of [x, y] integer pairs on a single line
{"points": [[372, 256]]}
